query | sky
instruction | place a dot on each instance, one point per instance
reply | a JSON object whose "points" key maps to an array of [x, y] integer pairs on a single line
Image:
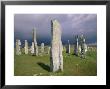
{"points": [[71, 25]]}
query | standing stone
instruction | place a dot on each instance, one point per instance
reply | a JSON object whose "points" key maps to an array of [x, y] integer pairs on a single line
{"points": [[36, 49], [61, 56], [82, 43], [68, 48], [35, 42], [32, 48], [42, 48], [76, 48], [86, 48], [56, 57], [26, 47], [79, 49], [18, 49]]}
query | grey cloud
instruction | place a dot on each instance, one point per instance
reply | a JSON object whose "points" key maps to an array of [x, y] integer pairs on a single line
{"points": [[71, 24]]}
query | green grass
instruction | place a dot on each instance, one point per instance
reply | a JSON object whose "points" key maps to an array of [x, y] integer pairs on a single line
{"points": [[28, 65]]}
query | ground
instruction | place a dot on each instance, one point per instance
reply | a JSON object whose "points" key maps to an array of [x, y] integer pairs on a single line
{"points": [[28, 65]]}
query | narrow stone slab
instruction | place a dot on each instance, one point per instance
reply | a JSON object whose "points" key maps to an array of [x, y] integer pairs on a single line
{"points": [[35, 48], [26, 47], [42, 48], [18, 48], [56, 57]]}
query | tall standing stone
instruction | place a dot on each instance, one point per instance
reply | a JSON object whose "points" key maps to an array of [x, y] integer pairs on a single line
{"points": [[82, 43], [26, 47], [32, 48], [56, 57], [35, 42], [42, 48], [61, 56], [18, 49], [76, 48]]}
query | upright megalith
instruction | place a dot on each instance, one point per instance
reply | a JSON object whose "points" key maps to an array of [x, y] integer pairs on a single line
{"points": [[42, 48], [35, 48], [76, 47], [26, 47], [18, 48], [61, 56], [56, 57], [86, 48], [82, 43], [32, 48]]}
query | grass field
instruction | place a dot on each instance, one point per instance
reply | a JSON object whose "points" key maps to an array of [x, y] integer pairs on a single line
{"points": [[28, 65]]}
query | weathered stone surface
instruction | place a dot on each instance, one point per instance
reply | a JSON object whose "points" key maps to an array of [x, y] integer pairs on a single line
{"points": [[82, 43], [35, 43], [56, 57], [32, 48], [18, 49], [34, 35], [76, 47], [36, 49], [86, 48], [42, 48], [61, 56], [26, 47]]}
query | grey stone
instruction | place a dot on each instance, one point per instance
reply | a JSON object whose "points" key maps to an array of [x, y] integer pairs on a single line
{"points": [[56, 57], [76, 47], [18, 48], [35, 48], [82, 43], [42, 48], [26, 47], [32, 48]]}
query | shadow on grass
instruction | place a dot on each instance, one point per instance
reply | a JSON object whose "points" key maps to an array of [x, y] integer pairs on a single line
{"points": [[44, 66]]}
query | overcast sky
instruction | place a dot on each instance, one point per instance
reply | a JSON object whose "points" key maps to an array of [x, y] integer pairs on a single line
{"points": [[72, 24]]}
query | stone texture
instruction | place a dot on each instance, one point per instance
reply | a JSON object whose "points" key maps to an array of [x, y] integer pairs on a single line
{"points": [[56, 57], [76, 47], [26, 47], [42, 48], [35, 42], [86, 48], [18, 49], [32, 48], [82, 43]]}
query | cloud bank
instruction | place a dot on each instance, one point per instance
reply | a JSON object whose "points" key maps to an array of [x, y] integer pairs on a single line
{"points": [[72, 24]]}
